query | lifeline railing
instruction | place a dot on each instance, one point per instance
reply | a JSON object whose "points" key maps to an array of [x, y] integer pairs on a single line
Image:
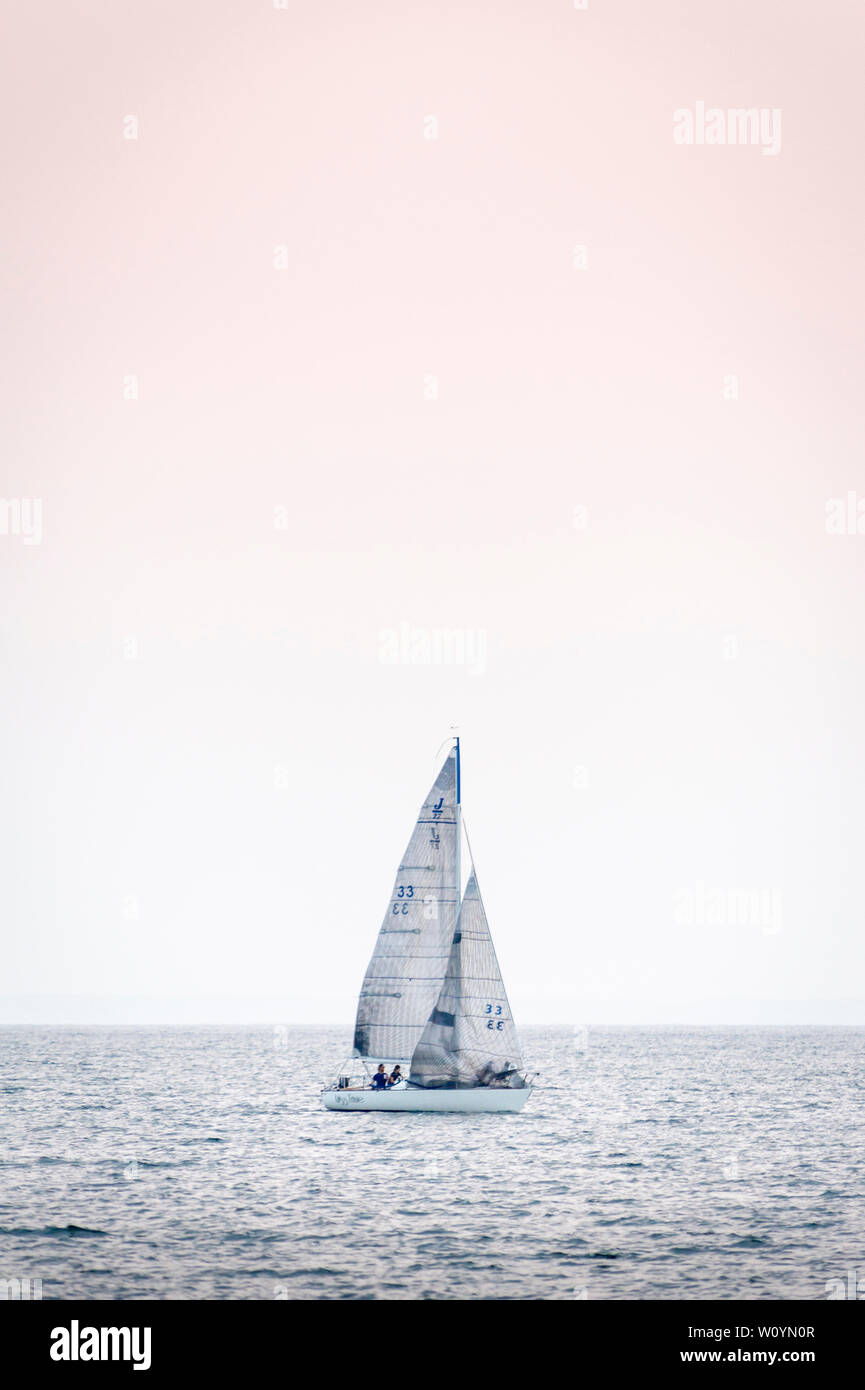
{"points": [[362, 1081]]}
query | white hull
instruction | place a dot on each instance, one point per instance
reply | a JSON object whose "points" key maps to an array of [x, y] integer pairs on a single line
{"points": [[483, 1099]]}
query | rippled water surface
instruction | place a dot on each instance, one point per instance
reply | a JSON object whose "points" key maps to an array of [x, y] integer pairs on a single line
{"points": [[650, 1163]]}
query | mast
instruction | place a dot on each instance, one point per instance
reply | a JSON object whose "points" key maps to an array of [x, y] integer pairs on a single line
{"points": [[459, 829]]}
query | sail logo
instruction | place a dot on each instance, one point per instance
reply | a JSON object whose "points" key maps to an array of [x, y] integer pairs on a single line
{"points": [[76, 1343], [845, 516], [740, 125], [729, 907], [434, 646], [22, 516]]}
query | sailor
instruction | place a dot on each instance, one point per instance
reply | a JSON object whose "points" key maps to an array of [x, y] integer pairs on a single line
{"points": [[395, 1077], [379, 1081]]}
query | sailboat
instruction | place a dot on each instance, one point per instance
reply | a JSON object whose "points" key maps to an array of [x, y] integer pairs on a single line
{"points": [[433, 1002]]}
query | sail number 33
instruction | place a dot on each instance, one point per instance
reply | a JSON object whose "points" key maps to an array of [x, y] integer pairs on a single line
{"points": [[401, 908], [495, 1022]]}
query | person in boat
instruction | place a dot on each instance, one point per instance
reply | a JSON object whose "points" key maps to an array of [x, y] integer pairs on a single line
{"points": [[490, 1076], [379, 1081], [395, 1077]]}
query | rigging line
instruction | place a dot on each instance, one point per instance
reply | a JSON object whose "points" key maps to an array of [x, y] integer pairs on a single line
{"points": [[469, 845]]}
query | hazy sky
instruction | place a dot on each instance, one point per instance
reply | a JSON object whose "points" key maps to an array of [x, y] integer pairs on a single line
{"points": [[330, 327]]}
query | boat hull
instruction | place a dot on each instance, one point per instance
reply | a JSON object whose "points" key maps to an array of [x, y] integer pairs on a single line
{"points": [[479, 1100]]}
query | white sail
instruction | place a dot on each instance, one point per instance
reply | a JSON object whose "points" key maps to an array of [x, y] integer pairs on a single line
{"points": [[470, 1039], [405, 973]]}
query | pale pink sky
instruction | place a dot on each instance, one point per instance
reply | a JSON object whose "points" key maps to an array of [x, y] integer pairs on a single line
{"points": [[153, 780]]}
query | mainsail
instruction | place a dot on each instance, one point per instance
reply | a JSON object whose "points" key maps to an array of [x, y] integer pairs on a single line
{"points": [[470, 1038], [405, 973]]}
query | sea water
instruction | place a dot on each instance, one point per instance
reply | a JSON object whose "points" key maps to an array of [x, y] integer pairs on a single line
{"points": [[657, 1163]]}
